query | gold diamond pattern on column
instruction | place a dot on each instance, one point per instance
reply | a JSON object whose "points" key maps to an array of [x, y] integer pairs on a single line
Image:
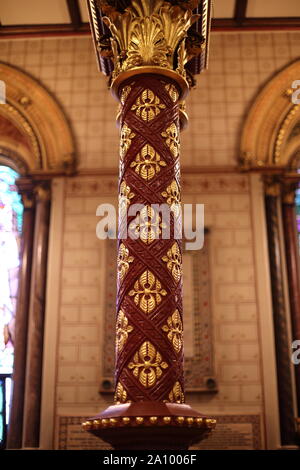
{"points": [[120, 394], [123, 261], [147, 292], [147, 365], [172, 90], [172, 195], [122, 330], [147, 105], [171, 135], [147, 163], [125, 141], [176, 395], [173, 260], [147, 225], [174, 329]]}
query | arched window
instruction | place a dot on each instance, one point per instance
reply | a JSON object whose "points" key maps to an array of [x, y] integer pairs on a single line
{"points": [[11, 213]]}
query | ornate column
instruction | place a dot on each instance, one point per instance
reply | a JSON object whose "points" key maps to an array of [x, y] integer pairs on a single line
{"points": [[14, 439], [34, 364], [292, 263], [283, 352], [150, 47]]}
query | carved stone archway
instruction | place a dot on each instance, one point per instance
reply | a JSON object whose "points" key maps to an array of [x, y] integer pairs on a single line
{"points": [[36, 140], [33, 126], [267, 141]]}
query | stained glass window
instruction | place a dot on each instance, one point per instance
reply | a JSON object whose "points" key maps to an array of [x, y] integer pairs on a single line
{"points": [[11, 213]]}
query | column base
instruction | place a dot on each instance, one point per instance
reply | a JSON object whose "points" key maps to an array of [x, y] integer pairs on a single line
{"points": [[150, 425]]}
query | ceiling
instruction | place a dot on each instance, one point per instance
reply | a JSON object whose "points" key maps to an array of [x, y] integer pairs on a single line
{"points": [[36, 17]]}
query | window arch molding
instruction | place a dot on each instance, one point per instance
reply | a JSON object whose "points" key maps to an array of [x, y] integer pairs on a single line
{"points": [[267, 140], [34, 126]]}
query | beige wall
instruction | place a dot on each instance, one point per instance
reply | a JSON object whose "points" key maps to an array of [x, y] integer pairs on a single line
{"points": [[240, 64]]}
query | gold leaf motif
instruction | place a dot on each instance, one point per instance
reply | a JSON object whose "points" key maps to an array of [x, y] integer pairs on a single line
{"points": [[147, 365], [125, 196], [172, 195], [176, 394], [173, 260], [120, 394], [172, 90], [147, 292], [147, 163], [123, 261], [174, 328], [125, 142], [122, 330], [125, 92], [147, 105], [147, 225], [171, 135]]}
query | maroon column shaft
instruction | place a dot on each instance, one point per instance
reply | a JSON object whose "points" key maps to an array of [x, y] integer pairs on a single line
{"points": [[149, 361]]}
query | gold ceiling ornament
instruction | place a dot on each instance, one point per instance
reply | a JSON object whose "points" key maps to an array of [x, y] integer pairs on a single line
{"points": [[123, 261], [122, 330], [147, 163], [174, 328], [176, 395], [172, 195], [173, 92], [147, 105], [147, 365], [147, 292], [147, 33], [125, 141], [120, 394], [173, 260], [147, 225], [171, 135]]}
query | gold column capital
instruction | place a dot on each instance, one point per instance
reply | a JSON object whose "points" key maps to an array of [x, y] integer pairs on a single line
{"points": [[157, 37]]}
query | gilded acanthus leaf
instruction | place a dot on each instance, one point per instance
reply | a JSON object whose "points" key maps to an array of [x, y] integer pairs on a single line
{"points": [[147, 365], [123, 261], [122, 330], [173, 260], [171, 135], [147, 225], [147, 105], [120, 394], [147, 163], [172, 195], [176, 395], [147, 292], [125, 141], [174, 328]]}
